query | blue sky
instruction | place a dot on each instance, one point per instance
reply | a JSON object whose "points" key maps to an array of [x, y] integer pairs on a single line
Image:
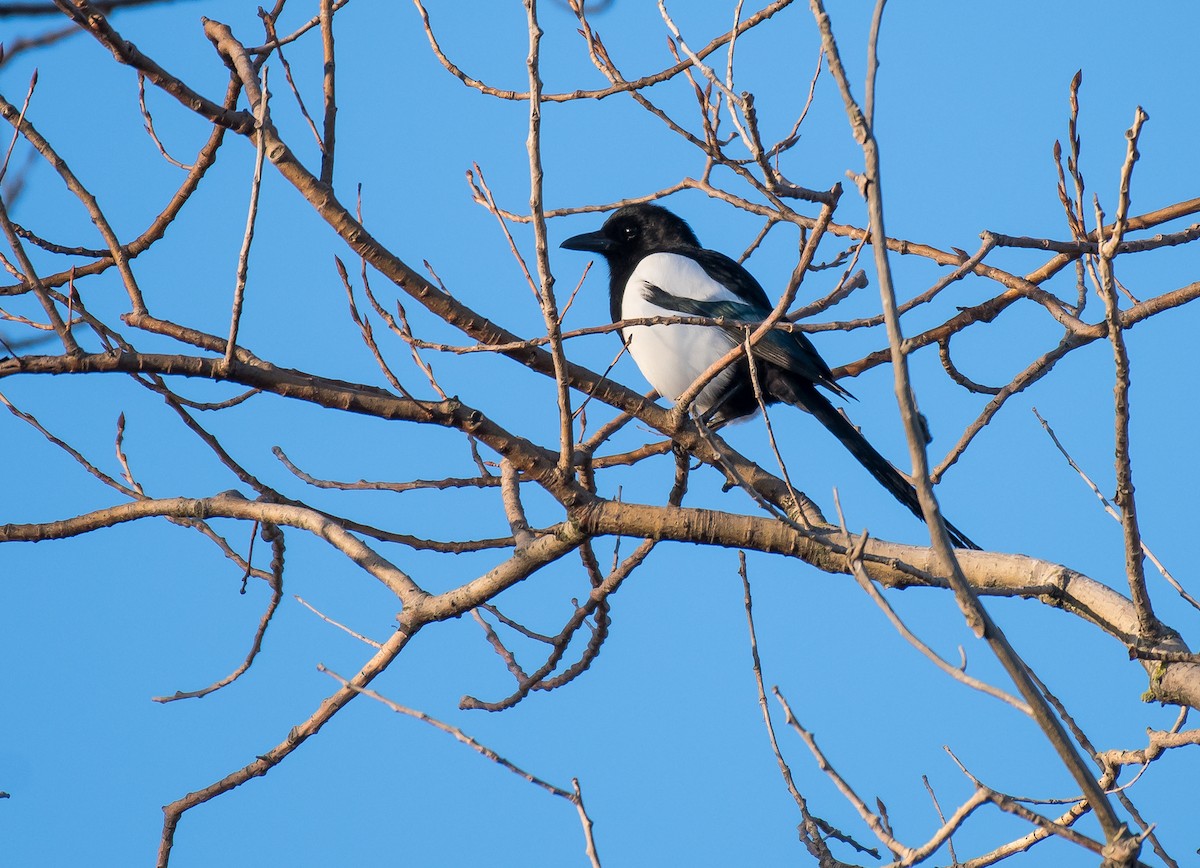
{"points": [[664, 733]]}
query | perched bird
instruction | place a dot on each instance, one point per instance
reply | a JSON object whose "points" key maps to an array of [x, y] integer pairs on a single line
{"points": [[658, 268]]}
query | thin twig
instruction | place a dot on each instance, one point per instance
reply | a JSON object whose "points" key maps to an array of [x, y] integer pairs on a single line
{"points": [[958, 673], [327, 140], [263, 622], [573, 796], [295, 737], [359, 636], [149, 121], [269, 25], [813, 839], [545, 285], [1149, 625], [868, 816], [1114, 512], [243, 266]]}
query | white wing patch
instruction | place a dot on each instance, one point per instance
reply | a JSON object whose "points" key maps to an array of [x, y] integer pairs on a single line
{"points": [[672, 356]]}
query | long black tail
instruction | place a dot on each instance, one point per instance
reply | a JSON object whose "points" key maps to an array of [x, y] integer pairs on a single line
{"points": [[805, 396]]}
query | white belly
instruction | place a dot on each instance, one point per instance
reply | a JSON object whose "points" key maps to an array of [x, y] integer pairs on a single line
{"points": [[671, 357]]}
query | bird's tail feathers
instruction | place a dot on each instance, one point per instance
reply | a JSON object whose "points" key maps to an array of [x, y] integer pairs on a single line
{"points": [[806, 397]]}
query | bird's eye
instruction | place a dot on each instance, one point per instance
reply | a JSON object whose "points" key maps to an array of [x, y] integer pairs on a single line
{"points": [[629, 232]]}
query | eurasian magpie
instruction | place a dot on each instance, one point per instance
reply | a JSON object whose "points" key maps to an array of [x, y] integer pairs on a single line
{"points": [[658, 268]]}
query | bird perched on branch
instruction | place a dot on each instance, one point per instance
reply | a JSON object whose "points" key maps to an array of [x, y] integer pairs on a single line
{"points": [[658, 269]]}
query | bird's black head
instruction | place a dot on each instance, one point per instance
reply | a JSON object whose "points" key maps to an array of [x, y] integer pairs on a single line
{"points": [[634, 231]]}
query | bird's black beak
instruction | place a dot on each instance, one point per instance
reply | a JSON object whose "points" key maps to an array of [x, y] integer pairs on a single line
{"points": [[594, 242]]}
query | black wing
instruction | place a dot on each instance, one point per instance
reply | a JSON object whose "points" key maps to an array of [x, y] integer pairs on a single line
{"points": [[791, 351]]}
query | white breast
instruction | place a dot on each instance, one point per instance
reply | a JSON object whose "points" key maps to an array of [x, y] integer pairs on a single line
{"points": [[672, 356]]}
